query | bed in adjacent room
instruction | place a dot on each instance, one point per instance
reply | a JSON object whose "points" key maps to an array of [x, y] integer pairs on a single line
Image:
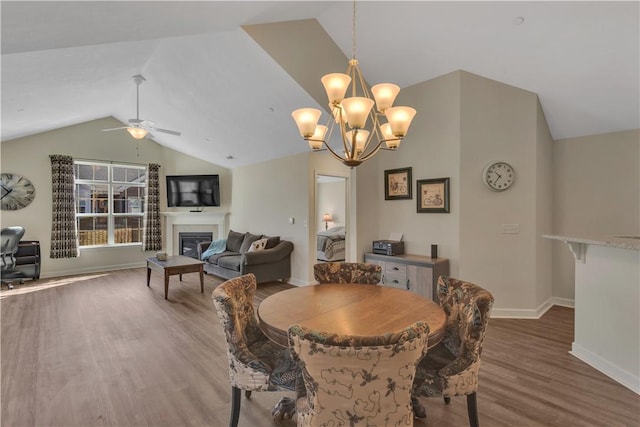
{"points": [[331, 244]]}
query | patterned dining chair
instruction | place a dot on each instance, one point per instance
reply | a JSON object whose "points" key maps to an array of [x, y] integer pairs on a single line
{"points": [[357, 381], [347, 272], [255, 362], [451, 367]]}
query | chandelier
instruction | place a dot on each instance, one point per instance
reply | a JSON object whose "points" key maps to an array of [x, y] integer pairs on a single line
{"points": [[359, 117]]}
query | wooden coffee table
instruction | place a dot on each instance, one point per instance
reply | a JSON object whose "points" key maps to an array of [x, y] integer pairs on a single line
{"points": [[175, 265]]}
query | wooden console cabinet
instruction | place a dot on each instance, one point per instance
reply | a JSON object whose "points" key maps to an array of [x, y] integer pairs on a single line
{"points": [[416, 273]]}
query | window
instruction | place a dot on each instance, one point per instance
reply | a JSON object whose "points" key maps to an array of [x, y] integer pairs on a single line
{"points": [[109, 203]]}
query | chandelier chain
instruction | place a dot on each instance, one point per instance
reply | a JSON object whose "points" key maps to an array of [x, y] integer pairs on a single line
{"points": [[353, 32]]}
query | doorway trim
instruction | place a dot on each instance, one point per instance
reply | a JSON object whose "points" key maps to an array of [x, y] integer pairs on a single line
{"points": [[347, 219]]}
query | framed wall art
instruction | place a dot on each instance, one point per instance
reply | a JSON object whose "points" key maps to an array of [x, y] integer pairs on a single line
{"points": [[433, 195], [397, 184]]}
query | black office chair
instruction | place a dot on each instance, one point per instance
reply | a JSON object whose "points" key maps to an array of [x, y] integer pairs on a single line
{"points": [[9, 238]]}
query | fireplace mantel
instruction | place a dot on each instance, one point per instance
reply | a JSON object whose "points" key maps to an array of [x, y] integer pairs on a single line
{"points": [[173, 219]]}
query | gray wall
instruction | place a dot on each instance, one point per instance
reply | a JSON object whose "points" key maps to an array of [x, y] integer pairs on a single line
{"points": [[579, 186], [596, 192], [266, 195], [29, 156], [465, 121]]}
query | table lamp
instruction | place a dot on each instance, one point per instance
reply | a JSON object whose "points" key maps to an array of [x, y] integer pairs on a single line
{"points": [[326, 218]]}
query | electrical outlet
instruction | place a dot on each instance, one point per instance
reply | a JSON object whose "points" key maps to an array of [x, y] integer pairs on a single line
{"points": [[292, 220]]}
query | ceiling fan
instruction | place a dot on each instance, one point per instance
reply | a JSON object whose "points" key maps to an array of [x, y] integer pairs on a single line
{"points": [[141, 128]]}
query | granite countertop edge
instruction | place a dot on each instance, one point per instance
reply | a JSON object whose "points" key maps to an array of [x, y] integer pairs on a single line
{"points": [[626, 242]]}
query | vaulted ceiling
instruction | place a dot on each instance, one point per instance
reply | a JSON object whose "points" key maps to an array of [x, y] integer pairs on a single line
{"points": [[65, 63]]}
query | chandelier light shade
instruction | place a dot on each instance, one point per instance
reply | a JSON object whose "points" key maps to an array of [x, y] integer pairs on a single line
{"points": [[137, 133], [367, 123]]}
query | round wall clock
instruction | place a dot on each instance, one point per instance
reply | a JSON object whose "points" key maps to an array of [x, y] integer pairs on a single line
{"points": [[17, 192], [498, 176]]}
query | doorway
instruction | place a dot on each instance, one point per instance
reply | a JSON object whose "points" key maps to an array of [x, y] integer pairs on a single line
{"points": [[331, 217]]}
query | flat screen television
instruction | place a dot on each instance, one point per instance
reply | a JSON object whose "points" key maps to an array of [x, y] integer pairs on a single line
{"points": [[193, 190]]}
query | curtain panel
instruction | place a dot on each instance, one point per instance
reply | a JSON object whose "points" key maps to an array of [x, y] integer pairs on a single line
{"points": [[64, 234], [152, 240]]}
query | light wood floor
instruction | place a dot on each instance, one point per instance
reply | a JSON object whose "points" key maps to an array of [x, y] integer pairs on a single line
{"points": [[105, 350]]}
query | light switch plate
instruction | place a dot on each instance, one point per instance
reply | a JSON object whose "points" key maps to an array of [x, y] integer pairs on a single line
{"points": [[510, 228]]}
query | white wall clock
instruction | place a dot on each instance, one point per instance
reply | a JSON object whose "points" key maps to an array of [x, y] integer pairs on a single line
{"points": [[17, 192], [498, 176]]}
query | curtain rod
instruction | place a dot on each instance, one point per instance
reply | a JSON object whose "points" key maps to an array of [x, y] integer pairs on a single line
{"points": [[110, 162]]}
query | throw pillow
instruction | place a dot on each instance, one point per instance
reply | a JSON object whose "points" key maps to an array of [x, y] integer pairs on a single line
{"points": [[248, 240], [258, 245], [234, 241], [272, 242]]}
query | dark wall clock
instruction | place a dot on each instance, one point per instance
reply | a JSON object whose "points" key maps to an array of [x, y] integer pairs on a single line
{"points": [[17, 192]]}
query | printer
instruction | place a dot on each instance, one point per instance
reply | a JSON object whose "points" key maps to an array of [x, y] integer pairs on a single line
{"points": [[388, 247]]}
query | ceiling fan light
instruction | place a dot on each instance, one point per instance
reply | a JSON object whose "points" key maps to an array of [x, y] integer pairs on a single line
{"points": [[399, 119], [137, 133], [335, 84], [306, 119], [385, 94], [357, 109]]}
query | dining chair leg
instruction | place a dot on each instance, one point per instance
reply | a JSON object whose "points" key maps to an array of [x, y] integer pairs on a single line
{"points": [[418, 408], [472, 409], [236, 396]]}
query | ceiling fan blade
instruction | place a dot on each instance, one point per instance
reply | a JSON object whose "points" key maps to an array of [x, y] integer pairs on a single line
{"points": [[105, 130], [172, 132]]}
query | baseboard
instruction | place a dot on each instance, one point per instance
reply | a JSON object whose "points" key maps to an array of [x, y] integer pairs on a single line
{"points": [[96, 269], [563, 302], [531, 313], [616, 373], [299, 282]]}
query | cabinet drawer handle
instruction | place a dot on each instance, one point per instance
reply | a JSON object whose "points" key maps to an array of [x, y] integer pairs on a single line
{"points": [[394, 281], [396, 268]]}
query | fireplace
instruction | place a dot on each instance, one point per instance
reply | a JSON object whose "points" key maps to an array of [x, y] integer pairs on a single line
{"points": [[189, 242], [179, 222]]}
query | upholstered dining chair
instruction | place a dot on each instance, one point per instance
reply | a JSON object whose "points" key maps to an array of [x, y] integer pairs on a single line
{"points": [[451, 367], [356, 380], [255, 362], [347, 272]]}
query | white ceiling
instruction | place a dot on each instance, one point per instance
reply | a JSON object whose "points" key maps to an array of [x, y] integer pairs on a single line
{"points": [[69, 62]]}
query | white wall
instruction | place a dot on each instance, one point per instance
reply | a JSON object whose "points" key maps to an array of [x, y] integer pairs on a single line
{"points": [[596, 193], [29, 156]]}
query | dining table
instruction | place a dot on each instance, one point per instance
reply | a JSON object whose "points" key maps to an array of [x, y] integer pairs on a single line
{"points": [[349, 309], [345, 309]]}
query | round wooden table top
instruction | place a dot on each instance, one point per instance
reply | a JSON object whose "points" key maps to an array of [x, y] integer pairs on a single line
{"points": [[349, 309]]}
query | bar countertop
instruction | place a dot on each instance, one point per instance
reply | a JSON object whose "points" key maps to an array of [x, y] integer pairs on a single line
{"points": [[622, 242]]}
